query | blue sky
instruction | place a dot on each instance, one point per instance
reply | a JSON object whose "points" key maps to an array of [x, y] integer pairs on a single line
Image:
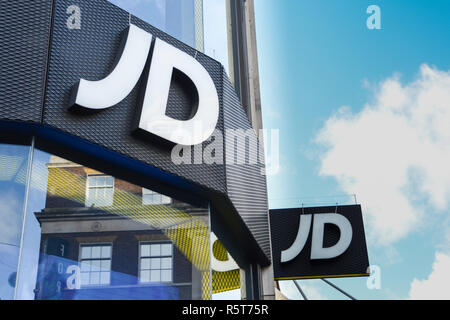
{"points": [[387, 145]]}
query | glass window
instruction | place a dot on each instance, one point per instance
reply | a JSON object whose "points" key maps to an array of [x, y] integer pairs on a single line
{"points": [[14, 163], [216, 41], [151, 197], [100, 191], [155, 262], [182, 19], [203, 25], [68, 247], [95, 264]]}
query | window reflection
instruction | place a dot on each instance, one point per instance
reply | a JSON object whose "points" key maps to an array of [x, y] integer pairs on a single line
{"points": [[95, 264], [216, 42], [182, 19], [98, 239], [100, 190], [155, 262], [152, 197], [13, 175]]}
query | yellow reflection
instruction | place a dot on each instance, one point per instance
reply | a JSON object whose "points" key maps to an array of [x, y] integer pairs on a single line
{"points": [[224, 281]]}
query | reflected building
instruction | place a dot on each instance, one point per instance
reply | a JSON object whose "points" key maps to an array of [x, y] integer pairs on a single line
{"points": [[105, 238]]}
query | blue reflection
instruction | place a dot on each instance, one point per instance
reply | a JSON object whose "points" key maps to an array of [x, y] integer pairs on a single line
{"points": [[32, 233], [176, 17], [9, 255], [13, 174], [59, 279]]}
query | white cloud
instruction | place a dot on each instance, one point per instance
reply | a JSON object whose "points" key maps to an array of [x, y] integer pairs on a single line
{"points": [[272, 113], [436, 285], [311, 291], [394, 154], [391, 255]]}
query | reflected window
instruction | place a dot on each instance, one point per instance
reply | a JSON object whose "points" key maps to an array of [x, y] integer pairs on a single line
{"points": [[95, 264], [100, 191], [151, 197], [155, 262]]}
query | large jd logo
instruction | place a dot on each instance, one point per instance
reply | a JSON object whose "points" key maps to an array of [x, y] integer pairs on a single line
{"points": [[165, 60], [317, 249]]}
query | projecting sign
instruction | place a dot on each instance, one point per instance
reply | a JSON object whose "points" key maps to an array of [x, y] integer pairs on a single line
{"points": [[318, 242]]}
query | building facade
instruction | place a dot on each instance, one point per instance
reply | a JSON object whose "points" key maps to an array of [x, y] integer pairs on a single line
{"points": [[93, 207]]}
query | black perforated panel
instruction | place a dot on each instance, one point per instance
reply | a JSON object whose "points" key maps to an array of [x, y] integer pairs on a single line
{"points": [[246, 183], [25, 27]]}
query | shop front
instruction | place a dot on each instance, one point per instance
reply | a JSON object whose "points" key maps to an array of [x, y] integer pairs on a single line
{"points": [[95, 115]]}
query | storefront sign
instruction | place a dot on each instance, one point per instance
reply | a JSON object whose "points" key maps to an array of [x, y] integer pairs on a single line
{"points": [[318, 242], [166, 60]]}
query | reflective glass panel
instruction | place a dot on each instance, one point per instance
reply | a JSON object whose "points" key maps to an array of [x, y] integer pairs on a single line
{"points": [[14, 161], [216, 42], [182, 19], [74, 248]]}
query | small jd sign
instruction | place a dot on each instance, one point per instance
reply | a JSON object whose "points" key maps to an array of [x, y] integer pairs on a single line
{"points": [[318, 242]]}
